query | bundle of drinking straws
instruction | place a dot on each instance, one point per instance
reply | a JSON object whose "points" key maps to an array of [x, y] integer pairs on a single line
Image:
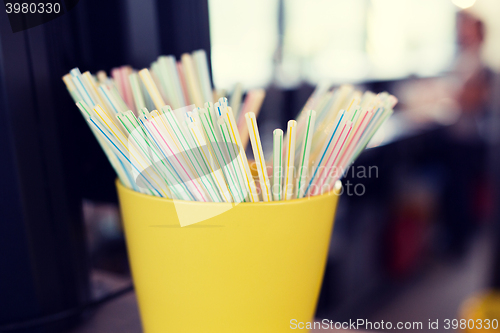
{"points": [[196, 151]]}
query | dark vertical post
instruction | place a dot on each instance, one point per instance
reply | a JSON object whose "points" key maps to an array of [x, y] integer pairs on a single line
{"points": [[44, 262], [494, 171]]}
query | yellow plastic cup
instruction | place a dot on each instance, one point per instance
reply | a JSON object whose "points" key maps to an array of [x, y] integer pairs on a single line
{"points": [[481, 312], [253, 268]]}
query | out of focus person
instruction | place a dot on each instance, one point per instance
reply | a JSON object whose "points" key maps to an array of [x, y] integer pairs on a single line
{"points": [[440, 100], [470, 38], [455, 105], [467, 194]]}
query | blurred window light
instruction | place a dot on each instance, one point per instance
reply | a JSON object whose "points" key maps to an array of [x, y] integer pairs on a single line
{"points": [[464, 3], [244, 35], [338, 40], [324, 39], [410, 37]]}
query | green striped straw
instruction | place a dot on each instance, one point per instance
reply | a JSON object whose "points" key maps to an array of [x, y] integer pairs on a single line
{"points": [[201, 65], [231, 155], [228, 116], [168, 82], [178, 187], [188, 150], [212, 113], [207, 158], [131, 153], [193, 136], [139, 137], [119, 168], [136, 92], [369, 133], [304, 154], [170, 68], [218, 151]]}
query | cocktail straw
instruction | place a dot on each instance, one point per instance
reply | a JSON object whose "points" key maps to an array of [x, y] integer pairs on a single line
{"points": [[171, 68], [304, 155], [183, 83], [326, 104], [258, 155], [120, 168], [181, 188], [136, 156], [122, 106], [329, 142], [103, 100], [316, 101], [329, 122], [341, 98], [185, 150], [231, 157], [168, 83], [253, 103], [128, 97], [367, 98], [121, 159], [319, 140], [200, 154], [125, 159], [235, 100], [91, 86], [102, 77], [166, 142], [116, 75], [192, 82], [71, 88], [231, 121], [202, 166], [151, 88], [221, 158], [137, 134], [201, 64], [150, 105], [371, 130], [107, 128], [348, 150], [136, 92], [154, 70], [332, 156], [208, 159], [219, 93], [318, 92], [225, 113], [277, 163], [212, 114], [76, 76], [289, 161], [111, 105], [120, 76]]}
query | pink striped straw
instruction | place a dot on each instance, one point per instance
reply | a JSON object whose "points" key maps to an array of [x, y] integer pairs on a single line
{"points": [[330, 165], [127, 89], [179, 162], [180, 71], [357, 134], [116, 74]]}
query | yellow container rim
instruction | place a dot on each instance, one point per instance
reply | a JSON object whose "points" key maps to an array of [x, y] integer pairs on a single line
{"points": [[335, 191]]}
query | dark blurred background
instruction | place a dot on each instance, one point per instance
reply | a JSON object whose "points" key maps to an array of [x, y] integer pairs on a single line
{"points": [[422, 238]]}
